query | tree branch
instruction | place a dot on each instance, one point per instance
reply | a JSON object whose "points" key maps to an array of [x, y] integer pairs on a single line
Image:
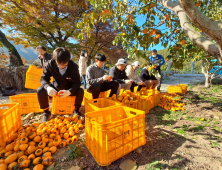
{"points": [[197, 39], [213, 28]]}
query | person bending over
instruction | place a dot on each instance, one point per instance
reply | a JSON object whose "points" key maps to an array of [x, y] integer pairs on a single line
{"points": [[66, 81], [149, 80], [119, 75], [97, 81]]}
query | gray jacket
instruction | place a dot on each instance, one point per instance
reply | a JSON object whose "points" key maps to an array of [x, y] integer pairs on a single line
{"points": [[94, 74]]}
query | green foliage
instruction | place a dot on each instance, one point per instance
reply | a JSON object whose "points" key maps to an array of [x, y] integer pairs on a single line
{"points": [[74, 152]]}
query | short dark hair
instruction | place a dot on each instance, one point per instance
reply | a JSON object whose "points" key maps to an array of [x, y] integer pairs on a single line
{"points": [[154, 50], [61, 55], [83, 53], [100, 57], [41, 47]]}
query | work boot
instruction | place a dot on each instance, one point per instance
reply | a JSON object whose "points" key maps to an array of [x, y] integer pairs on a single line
{"points": [[46, 116]]}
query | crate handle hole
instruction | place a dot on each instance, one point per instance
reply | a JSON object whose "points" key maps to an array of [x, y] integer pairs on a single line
{"points": [[134, 113], [95, 101], [61, 110], [4, 107]]}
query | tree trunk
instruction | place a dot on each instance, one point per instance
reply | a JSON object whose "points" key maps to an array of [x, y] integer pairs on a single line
{"points": [[207, 45], [12, 50], [207, 81]]}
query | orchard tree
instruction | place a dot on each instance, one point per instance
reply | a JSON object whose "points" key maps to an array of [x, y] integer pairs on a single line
{"points": [[11, 49], [101, 40], [43, 22], [194, 53], [187, 20]]}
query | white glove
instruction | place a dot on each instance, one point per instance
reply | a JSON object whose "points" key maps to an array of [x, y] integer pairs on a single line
{"points": [[51, 91], [105, 77], [65, 93], [128, 81]]}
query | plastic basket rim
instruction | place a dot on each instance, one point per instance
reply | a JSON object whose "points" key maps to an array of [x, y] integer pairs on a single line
{"points": [[4, 105], [104, 99], [105, 124]]}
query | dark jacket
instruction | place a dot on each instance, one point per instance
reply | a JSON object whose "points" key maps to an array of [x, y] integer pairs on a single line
{"points": [[144, 75], [69, 81], [118, 75], [46, 58]]}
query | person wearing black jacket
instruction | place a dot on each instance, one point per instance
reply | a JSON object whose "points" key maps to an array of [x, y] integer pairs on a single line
{"points": [[118, 73], [66, 80], [43, 56], [149, 80]]}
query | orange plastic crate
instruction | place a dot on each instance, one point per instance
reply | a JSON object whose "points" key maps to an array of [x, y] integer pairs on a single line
{"points": [[175, 89], [10, 121], [184, 88], [113, 133], [63, 105], [33, 77], [157, 98], [28, 102], [88, 96], [100, 103]]}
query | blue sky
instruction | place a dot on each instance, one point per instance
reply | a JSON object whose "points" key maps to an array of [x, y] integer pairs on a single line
{"points": [[141, 20]]}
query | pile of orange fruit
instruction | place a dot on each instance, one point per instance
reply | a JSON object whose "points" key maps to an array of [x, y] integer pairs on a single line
{"points": [[126, 97], [171, 102], [33, 145]]}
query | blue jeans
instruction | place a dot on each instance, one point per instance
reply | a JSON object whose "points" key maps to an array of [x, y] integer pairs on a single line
{"points": [[84, 81]]}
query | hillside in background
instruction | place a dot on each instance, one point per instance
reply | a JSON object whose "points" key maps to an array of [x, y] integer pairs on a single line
{"points": [[26, 53]]}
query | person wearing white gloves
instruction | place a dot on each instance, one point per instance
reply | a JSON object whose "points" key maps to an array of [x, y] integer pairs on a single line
{"points": [[97, 81], [118, 73], [66, 81], [131, 72]]}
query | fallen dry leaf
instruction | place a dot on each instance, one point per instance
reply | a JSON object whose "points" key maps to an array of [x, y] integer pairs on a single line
{"points": [[128, 165]]}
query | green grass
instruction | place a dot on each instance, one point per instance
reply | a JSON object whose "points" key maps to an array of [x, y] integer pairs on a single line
{"points": [[214, 144], [155, 166], [74, 151], [182, 132], [199, 128]]}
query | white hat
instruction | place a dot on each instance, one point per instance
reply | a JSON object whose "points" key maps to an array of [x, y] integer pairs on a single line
{"points": [[121, 61], [136, 63]]}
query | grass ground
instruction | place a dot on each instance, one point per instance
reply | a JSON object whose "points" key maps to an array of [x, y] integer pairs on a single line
{"points": [[176, 140]]}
